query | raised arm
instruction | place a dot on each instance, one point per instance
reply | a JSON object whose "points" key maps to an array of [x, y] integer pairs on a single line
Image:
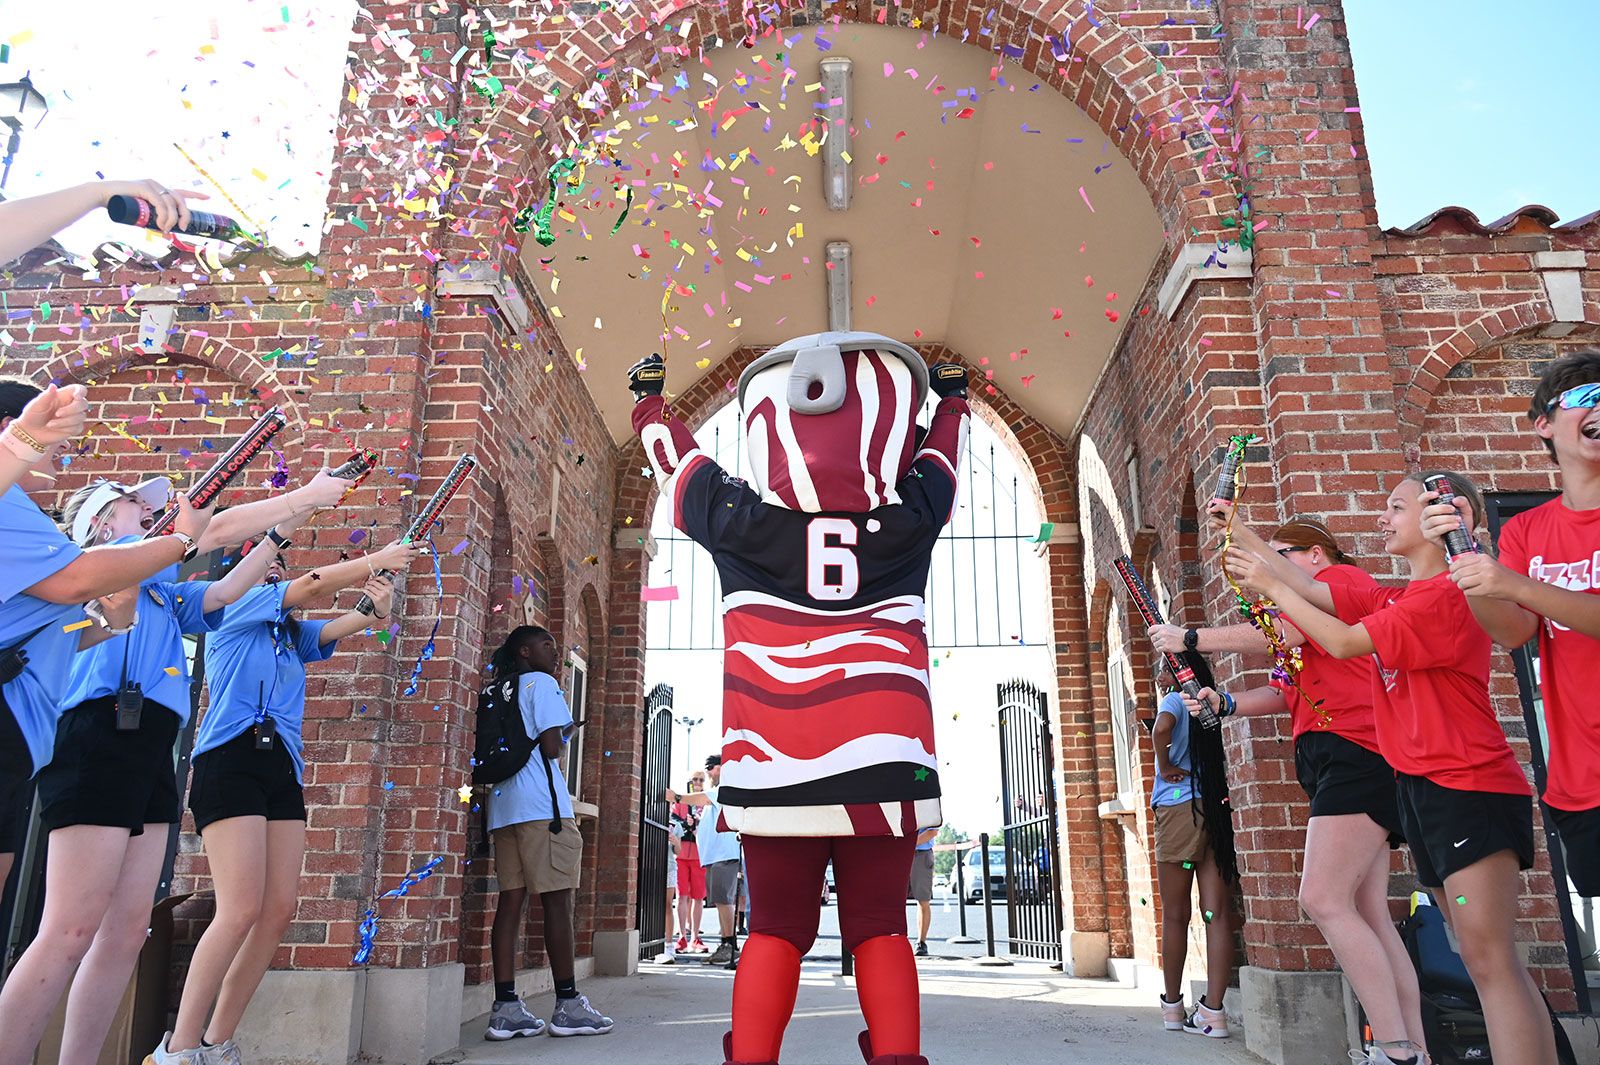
{"points": [[27, 223], [54, 415], [1243, 637], [100, 570], [245, 575], [667, 441], [289, 511], [325, 581], [381, 591], [1334, 636], [1509, 605], [1310, 589]]}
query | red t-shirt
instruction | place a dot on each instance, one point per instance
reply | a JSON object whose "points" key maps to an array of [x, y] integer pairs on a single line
{"points": [[1431, 699], [1344, 685], [1560, 546]]}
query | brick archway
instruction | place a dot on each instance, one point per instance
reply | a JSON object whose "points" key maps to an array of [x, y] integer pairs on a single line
{"points": [[1145, 111]]}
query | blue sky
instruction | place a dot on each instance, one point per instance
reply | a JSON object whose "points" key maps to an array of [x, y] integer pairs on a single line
{"points": [[1487, 105]]}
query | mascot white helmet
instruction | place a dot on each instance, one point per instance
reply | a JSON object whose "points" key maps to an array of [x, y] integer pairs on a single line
{"points": [[830, 420]]}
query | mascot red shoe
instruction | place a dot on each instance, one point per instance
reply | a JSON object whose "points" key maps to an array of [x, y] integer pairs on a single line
{"points": [[827, 740]]}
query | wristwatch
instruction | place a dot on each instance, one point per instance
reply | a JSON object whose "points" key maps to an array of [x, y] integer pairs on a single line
{"points": [[280, 541], [190, 547], [1191, 639]]}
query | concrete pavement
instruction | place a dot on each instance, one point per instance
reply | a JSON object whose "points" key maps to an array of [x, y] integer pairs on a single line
{"points": [[675, 1015]]}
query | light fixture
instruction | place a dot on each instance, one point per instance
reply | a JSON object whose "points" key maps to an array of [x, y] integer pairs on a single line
{"points": [[14, 98], [836, 112], [838, 284]]}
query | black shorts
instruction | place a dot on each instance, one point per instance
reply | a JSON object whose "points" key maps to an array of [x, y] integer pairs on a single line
{"points": [[100, 776], [1580, 844], [1449, 829], [13, 826], [16, 761], [1342, 777], [239, 780]]}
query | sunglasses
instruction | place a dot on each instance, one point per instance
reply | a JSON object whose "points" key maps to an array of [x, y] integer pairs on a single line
{"points": [[1580, 398], [1287, 551]]}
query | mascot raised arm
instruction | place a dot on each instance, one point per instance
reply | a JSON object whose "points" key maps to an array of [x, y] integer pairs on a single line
{"points": [[827, 741]]}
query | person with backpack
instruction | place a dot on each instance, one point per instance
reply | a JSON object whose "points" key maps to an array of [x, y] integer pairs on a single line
{"points": [[246, 791], [523, 723]]}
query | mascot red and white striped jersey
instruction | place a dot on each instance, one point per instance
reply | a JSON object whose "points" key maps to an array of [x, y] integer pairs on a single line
{"points": [[827, 717]]}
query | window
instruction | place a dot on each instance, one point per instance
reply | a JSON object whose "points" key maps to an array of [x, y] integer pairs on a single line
{"points": [[577, 699], [1135, 511], [1119, 705]]}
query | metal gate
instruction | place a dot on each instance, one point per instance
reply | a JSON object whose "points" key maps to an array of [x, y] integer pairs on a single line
{"points": [[1028, 797], [655, 856]]}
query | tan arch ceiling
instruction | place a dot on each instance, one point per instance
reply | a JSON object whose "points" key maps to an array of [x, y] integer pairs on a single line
{"points": [[961, 169]]}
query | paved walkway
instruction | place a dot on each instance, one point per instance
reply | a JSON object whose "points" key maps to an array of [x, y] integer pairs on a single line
{"points": [[675, 1015]]}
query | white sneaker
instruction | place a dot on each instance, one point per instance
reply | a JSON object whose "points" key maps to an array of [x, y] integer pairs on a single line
{"points": [[1172, 1016], [162, 1056], [1203, 1020], [1376, 1055]]}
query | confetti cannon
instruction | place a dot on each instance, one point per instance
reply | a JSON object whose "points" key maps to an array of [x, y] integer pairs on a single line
{"points": [[1145, 603], [1457, 541], [228, 467], [429, 514]]}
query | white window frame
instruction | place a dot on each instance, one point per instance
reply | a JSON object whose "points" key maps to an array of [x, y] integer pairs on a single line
{"points": [[578, 701], [1120, 706]]}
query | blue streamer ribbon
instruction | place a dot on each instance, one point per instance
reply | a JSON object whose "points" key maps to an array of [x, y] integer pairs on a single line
{"points": [[427, 648], [369, 920]]}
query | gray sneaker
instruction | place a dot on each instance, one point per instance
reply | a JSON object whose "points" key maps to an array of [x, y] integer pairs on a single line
{"points": [[722, 955], [226, 1053], [509, 1020], [162, 1056], [574, 1016]]}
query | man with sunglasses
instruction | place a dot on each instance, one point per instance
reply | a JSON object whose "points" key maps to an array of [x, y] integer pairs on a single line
{"points": [[1545, 583]]}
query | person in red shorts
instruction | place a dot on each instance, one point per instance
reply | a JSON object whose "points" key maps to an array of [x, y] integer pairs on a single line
{"points": [[1547, 580], [691, 874], [1344, 885], [1465, 804]]}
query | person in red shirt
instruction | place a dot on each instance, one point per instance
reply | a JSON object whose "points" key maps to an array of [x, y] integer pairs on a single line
{"points": [[1465, 805], [1344, 885], [1546, 582], [691, 874]]}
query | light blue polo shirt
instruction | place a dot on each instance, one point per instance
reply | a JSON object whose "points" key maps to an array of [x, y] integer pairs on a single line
{"points": [[526, 796], [715, 844], [1161, 792], [31, 549], [154, 650], [254, 668]]}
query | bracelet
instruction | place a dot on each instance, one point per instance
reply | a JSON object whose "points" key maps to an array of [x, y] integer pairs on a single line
{"points": [[1230, 706], [16, 434]]}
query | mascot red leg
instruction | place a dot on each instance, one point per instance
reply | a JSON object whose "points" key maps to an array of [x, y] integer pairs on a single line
{"points": [[827, 745]]}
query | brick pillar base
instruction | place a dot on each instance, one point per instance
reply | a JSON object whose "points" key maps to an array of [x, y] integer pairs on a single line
{"points": [[1294, 1018]]}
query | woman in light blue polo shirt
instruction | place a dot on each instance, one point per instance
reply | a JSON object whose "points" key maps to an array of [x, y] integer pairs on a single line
{"points": [[246, 795]]}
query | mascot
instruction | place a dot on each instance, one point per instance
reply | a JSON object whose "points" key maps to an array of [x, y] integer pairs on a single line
{"points": [[827, 741]]}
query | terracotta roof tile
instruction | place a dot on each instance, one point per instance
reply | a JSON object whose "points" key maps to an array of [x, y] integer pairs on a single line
{"points": [[1534, 218]]}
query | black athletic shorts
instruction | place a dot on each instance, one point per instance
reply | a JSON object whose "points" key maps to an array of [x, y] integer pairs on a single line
{"points": [[1342, 777], [1580, 844], [100, 776], [16, 761], [1449, 829], [13, 828], [238, 780]]}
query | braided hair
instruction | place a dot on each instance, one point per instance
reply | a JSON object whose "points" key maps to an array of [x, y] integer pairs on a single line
{"points": [[1209, 764]]}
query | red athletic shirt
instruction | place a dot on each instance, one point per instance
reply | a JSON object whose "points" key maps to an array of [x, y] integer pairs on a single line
{"points": [[1344, 685], [1562, 547], [1431, 699]]}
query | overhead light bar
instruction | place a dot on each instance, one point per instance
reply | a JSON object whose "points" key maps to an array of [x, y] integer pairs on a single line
{"points": [[836, 112], [839, 284]]}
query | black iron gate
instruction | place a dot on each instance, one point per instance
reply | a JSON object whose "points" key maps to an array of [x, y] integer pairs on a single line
{"points": [[655, 857], [1028, 795]]}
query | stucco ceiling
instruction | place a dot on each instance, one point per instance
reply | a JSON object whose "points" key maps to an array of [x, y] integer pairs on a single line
{"points": [[988, 213]]}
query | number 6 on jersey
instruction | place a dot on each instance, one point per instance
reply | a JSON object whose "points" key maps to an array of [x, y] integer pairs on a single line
{"points": [[825, 559]]}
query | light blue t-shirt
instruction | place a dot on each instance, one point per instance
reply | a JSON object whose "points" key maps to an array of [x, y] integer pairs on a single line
{"points": [[928, 846], [715, 845], [166, 609], [526, 796], [255, 668], [31, 549], [1161, 792]]}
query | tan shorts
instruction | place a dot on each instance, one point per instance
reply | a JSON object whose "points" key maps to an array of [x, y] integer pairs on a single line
{"points": [[529, 855], [1181, 834]]}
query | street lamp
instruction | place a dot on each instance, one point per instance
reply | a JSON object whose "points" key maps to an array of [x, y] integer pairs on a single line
{"points": [[688, 724], [14, 97]]}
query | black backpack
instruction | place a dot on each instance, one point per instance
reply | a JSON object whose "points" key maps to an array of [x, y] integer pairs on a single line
{"points": [[501, 746]]}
